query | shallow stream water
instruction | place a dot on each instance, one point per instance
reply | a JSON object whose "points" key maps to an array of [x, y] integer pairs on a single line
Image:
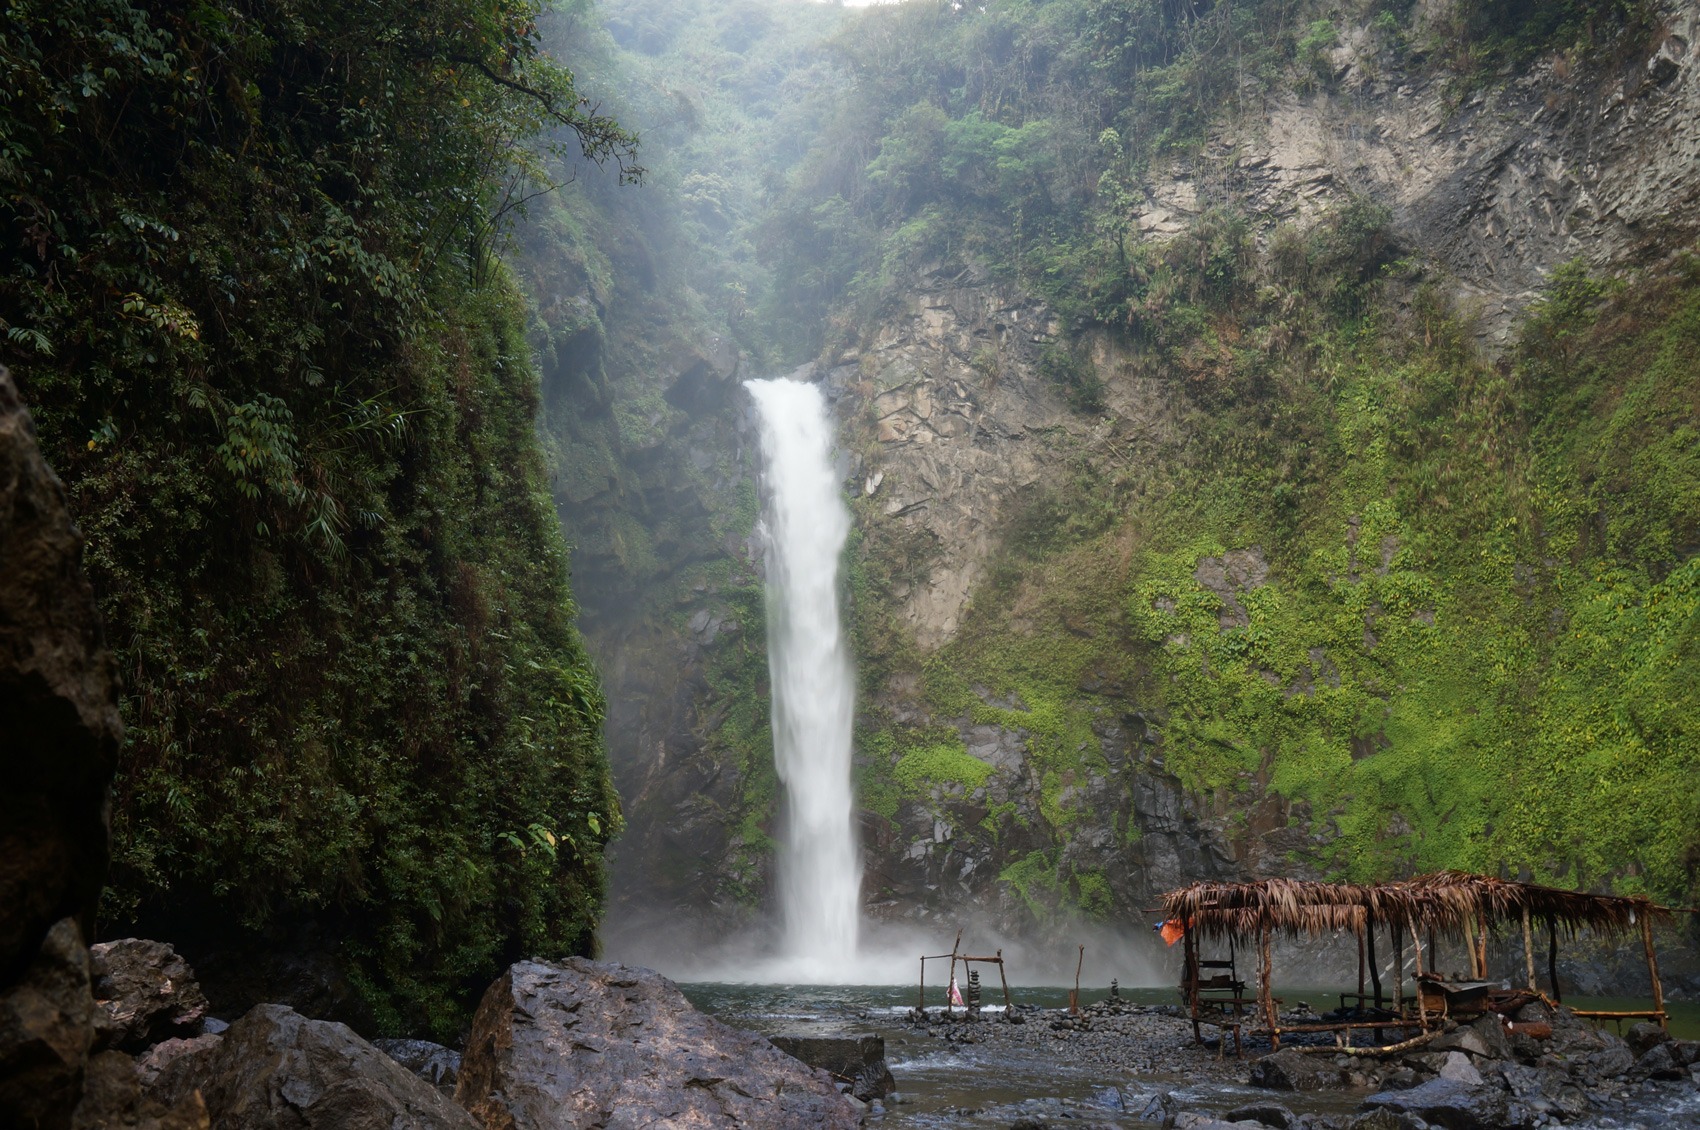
{"points": [[944, 1085]]}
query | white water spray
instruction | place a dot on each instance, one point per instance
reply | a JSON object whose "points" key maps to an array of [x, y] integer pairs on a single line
{"points": [[820, 869]]}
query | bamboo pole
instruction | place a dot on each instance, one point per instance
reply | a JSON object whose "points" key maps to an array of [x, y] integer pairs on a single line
{"points": [[1481, 918], [1374, 966], [1552, 959], [1005, 981], [1074, 997], [1529, 950], [1653, 971], [1417, 946], [950, 1005], [1269, 997], [1360, 934], [921, 993]]}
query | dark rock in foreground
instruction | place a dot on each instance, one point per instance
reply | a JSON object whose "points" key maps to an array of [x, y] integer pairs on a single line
{"points": [[858, 1060], [46, 1029], [275, 1068], [58, 703], [59, 734], [589, 1044], [144, 993], [1455, 1106], [1291, 1070]]}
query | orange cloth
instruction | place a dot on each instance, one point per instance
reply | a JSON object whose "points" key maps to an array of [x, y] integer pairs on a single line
{"points": [[1172, 931]]}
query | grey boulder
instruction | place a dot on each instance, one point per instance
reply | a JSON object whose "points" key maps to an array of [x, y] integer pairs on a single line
{"points": [[1453, 1105], [275, 1069], [1291, 1070], [588, 1044]]}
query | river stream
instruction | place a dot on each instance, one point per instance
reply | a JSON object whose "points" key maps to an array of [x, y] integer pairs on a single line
{"points": [[951, 1085]]}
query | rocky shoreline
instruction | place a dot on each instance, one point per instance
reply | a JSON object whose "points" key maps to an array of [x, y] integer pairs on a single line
{"points": [[1539, 1066]]}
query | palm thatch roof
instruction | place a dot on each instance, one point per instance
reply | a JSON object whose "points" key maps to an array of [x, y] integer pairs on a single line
{"points": [[1448, 903]]}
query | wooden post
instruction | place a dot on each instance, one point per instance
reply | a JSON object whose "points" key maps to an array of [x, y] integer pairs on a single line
{"points": [[1360, 933], [1481, 918], [1074, 997], [1417, 945], [1529, 950], [950, 1005], [1653, 972], [1269, 997], [1189, 979], [1552, 959], [921, 993], [1398, 971], [1369, 943], [1005, 981]]}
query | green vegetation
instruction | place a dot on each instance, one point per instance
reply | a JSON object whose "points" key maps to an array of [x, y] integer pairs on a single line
{"points": [[248, 286]]}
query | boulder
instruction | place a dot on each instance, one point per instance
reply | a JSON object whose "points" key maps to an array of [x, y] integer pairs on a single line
{"points": [[58, 705], [1292, 1070], [1459, 1069], [113, 1096], [1659, 1063], [1266, 1114], [1643, 1036], [437, 1065], [590, 1044], [143, 993], [275, 1068], [1453, 1105], [59, 733], [858, 1060], [1610, 1061], [46, 1030]]}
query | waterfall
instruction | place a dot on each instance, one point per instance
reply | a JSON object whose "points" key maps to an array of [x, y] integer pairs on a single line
{"points": [[806, 522]]}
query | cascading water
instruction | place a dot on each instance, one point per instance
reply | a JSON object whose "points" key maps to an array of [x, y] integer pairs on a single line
{"points": [[820, 869]]}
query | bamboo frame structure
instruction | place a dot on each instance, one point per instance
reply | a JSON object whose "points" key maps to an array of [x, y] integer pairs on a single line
{"points": [[955, 955], [1446, 904]]}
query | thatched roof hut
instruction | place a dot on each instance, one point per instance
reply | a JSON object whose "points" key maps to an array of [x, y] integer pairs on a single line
{"points": [[1446, 903]]}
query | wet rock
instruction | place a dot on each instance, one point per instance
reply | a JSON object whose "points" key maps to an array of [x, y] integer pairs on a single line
{"points": [[1459, 1069], [275, 1068], [1609, 1062], [113, 1096], [858, 1059], [1643, 1036], [1291, 1070], [589, 1044], [46, 1030], [437, 1065], [1387, 1120], [1266, 1114], [1659, 1063], [1453, 1105], [144, 993]]}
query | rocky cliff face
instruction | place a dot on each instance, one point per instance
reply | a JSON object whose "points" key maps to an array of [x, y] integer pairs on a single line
{"points": [[961, 446], [59, 734]]}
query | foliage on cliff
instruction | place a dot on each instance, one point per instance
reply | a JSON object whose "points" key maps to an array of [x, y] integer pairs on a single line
{"points": [[1475, 644], [247, 282], [1018, 132]]}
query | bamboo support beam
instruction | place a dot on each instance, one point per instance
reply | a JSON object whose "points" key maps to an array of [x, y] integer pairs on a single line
{"points": [[1552, 959], [1005, 980], [1417, 945], [1653, 972]]}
